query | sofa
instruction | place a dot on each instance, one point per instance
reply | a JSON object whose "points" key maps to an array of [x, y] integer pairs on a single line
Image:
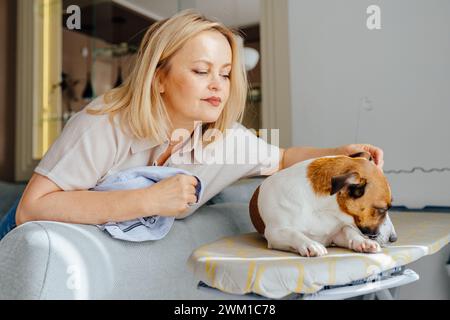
{"points": [[52, 260]]}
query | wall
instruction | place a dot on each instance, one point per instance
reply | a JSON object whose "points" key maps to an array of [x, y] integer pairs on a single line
{"points": [[7, 87], [387, 87]]}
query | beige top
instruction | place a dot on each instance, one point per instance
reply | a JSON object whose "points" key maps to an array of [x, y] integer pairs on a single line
{"points": [[89, 149]]}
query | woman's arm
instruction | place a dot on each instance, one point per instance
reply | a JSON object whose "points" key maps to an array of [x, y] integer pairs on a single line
{"points": [[44, 200], [293, 155]]}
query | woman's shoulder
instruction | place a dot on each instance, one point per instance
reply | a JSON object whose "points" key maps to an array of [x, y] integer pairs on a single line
{"points": [[237, 125], [238, 129], [83, 121]]}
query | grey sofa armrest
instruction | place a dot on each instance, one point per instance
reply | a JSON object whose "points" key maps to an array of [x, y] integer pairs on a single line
{"points": [[50, 260], [240, 191]]}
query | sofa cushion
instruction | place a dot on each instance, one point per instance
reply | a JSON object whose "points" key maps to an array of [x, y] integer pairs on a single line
{"points": [[240, 191]]}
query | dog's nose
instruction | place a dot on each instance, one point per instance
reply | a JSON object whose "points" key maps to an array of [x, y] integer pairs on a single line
{"points": [[393, 237], [369, 232]]}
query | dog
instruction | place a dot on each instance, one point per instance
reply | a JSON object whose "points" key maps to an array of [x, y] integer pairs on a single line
{"points": [[332, 200]]}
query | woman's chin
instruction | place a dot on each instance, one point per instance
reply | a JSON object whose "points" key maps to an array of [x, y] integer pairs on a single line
{"points": [[208, 118]]}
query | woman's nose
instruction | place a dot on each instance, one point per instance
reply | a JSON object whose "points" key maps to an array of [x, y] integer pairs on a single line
{"points": [[215, 83]]}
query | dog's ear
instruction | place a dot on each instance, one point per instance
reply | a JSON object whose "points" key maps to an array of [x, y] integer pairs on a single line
{"points": [[339, 182], [363, 154]]}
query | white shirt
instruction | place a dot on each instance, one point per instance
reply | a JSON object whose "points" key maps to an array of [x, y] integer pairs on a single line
{"points": [[89, 149]]}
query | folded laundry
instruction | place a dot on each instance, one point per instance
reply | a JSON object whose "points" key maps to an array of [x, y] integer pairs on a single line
{"points": [[144, 228]]}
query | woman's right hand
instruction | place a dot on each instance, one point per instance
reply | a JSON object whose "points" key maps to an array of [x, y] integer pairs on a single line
{"points": [[171, 196]]}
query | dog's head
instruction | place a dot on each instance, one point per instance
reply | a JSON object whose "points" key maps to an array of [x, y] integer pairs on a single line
{"points": [[362, 191]]}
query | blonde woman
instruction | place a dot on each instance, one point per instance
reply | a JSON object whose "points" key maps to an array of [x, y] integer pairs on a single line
{"points": [[188, 77]]}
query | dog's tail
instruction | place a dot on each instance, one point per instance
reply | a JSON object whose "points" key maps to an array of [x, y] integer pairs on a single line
{"points": [[258, 223]]}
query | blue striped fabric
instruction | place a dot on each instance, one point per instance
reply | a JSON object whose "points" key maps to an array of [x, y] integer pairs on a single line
{"points": [[145, 228]]}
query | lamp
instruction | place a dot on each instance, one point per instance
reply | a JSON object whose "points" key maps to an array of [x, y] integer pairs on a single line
{"points": [[250, 56]]}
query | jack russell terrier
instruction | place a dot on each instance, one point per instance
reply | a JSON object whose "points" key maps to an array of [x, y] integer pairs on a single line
{"points": [[332, 200]]}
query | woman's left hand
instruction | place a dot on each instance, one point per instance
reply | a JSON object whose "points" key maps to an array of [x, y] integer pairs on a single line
{"points": [[375, 152]]}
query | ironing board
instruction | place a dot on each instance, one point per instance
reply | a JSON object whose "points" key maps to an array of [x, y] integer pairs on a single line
{"points": [[242, 264]]}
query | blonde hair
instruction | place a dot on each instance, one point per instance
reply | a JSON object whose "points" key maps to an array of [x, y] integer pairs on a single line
{"points": [[138, 100]]}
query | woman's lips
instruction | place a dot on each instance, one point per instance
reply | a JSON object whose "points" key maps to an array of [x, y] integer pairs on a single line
{"points": [[213, 101]]}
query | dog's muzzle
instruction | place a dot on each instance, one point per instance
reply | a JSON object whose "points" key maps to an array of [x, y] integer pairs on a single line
{"points": [[386, 232]]}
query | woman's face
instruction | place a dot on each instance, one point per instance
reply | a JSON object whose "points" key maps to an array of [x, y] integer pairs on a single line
{"points": [[197, 84]]}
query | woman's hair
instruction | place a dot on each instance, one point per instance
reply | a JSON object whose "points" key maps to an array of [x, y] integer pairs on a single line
{"points": [[138, 99]]}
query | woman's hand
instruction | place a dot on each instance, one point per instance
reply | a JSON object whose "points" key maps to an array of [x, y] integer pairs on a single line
{"points": [[375, 152], [171, 196]]}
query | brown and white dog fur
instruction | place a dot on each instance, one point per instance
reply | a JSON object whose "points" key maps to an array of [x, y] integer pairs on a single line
{"points": [[340, 200]]}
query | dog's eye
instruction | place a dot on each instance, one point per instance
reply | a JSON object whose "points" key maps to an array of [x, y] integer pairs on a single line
{"points": [[356, 191]]}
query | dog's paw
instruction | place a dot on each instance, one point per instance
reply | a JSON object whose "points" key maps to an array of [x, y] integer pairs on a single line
{"points": [[365, 245], [311, 249]]}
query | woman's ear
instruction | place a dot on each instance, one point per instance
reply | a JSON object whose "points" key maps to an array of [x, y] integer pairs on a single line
{"points": [[161, 85], [159, 81]]}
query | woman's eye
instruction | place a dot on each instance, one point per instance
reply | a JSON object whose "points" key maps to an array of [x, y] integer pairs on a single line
{"points": [[227, 76]]}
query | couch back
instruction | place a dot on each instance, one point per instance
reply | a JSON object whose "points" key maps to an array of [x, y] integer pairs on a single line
{"points": [[51, 260]]}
